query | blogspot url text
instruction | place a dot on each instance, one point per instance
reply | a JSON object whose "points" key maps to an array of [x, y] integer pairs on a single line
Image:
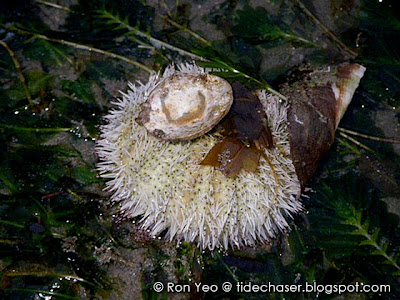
{"points": [[249, 287]]}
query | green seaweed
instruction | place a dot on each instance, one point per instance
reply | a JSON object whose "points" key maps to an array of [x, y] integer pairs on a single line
{"points": [[380, 25], [256, 27]]}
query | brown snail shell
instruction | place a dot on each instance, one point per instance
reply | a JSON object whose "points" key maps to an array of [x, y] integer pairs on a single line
{"points": [[317, 103], [186, 106]]}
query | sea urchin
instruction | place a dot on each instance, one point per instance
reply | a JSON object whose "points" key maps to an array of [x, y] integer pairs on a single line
{"points": [[165, 184]]}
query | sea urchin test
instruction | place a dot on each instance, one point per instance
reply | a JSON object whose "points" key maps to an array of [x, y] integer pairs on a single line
{"points": [[163, 181]]}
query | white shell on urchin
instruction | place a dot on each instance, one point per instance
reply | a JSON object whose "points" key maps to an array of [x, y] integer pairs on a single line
{"points": [[186, 106], [163, 182]]}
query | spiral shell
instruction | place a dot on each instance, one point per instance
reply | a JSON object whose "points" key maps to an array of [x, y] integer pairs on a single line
{"points": [[186, 106]]}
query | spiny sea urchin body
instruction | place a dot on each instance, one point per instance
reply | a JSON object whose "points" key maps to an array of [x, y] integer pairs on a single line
{"points": [[163, 182]]}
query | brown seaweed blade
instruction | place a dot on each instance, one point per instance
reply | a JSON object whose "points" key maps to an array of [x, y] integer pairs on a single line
{"points": [[246, 120], [230, 156], [317, 103], [245, 133]]}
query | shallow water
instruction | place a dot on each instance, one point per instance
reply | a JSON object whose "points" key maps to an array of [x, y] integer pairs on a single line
{"points": [[63, 64]]}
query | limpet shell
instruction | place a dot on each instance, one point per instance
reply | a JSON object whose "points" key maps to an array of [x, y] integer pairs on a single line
{"points": [[186, 106]]}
